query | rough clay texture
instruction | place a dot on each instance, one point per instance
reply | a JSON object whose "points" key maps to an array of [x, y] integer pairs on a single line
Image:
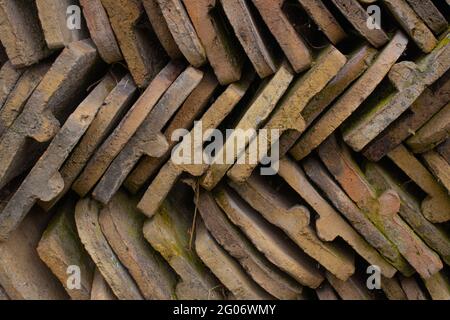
{"points": [[117, 139]]}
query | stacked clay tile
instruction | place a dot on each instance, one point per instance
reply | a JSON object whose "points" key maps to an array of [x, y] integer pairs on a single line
{"points": [[93, 205]]}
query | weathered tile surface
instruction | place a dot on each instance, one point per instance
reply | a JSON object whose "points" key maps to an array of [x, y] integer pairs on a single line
{"points": [[326, 292], [224, 56], [170, 172], [61, 249], [381, 209], [49, 105], [324, 20], [122, 225], [191, 110], [412, 24], [288, 115], [330, 225], [44, 182], [433, 235], [143, 54], [318, 174], [352, 289], [54, 18], [3, 295], [265, 237], [434, 132], [428, 12], [436, 206], [444, 150], [100, 30], [18, 96], [100, 288], [9, 75], [256, 114], [117, 100], [294, 220], [410, 80], [198, 108], [161, 29], [23, 275], [148, 139], [252, 39], [87, 214], [439, 167], [263, 272], [358, 17], [128, 126], [412, 288], [293, 45], [433, 99], [351, 99], [168, 233], [183, 32], [225, 268]]}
